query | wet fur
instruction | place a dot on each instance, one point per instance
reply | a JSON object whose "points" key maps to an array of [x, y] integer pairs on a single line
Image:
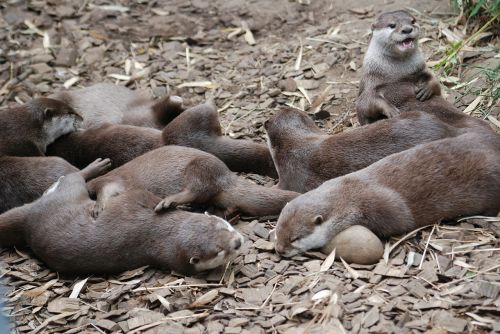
{"points": [[199, 127], [441, 180]]}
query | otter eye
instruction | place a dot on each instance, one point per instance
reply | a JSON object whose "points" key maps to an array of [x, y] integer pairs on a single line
{"points": [[413, 21], [392, 25]]}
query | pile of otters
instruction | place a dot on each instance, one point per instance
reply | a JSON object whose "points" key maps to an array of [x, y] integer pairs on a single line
{"points": [[416, 160]]}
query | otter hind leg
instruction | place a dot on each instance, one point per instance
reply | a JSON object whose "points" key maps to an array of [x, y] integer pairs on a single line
{"points": [[184, 197], [202, 178]]}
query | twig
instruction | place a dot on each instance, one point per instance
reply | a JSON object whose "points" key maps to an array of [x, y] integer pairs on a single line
{"points": [[426, 246], [472, 276]]}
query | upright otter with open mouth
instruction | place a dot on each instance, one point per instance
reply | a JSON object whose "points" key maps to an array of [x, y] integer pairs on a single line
{"points": [[395, 78]]}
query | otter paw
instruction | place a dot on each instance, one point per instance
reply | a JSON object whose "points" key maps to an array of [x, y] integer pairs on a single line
{"points": [[96, 168], [393, 112], [423, 93], [165, 205], [96, 210]]}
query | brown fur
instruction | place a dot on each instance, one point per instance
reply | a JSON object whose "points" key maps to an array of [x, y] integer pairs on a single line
{"points": [[305, 157], [396, 80], [128, 233], [26, 130], [185, 175], [441, 180], [24, 179], [107, 103], [118, 142], [199, 127]]}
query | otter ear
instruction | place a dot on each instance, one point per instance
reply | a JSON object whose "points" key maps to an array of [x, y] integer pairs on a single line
{"points": [[48, 112], [194, 260], [318, 220]]}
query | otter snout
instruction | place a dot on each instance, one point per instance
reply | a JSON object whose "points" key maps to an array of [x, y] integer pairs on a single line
{"points": [[237, 242], [407, 29], [285, 250]]}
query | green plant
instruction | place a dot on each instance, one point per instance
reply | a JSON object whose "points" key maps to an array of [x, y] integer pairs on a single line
{"points": [[472, 8]]}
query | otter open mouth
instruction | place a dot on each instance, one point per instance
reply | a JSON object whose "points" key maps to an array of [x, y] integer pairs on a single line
{"points": [[407, 43]]}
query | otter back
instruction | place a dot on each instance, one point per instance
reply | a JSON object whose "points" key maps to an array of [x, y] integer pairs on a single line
{"points": [[107, 103], [305, 158], [441, 180], [120, 143], [199, 127], [24, 179]]}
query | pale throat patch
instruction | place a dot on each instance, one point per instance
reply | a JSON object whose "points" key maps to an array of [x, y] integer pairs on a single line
{"points": [[57, 127], [212, 263], [319, 237]]}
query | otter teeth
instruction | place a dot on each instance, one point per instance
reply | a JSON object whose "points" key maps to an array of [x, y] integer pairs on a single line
{"points": [[407, 43]]}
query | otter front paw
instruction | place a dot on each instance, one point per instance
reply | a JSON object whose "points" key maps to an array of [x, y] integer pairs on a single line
{"points": [[391, 112], [423, 93], [96, 168], [165, 205], [96, 210]]}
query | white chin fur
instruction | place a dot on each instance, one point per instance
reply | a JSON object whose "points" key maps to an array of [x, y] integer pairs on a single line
{"points": [[319, 237], [57, 127], [215, 262]]}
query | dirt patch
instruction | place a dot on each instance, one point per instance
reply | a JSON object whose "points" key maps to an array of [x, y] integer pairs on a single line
{"points": [[254, 57]]}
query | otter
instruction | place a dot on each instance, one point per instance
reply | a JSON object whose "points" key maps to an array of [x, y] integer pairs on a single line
{"points": [[28, 129], [107, 103], [395, 78], [24, 179], [128, 234], [118, 142], [305, 157], [199, 127], [183, 175], [440, 180]]}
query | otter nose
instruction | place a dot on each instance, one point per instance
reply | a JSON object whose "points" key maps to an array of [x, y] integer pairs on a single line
{"points": [[237, 244], [407, 29]]}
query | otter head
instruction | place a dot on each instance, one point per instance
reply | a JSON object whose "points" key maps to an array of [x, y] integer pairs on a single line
{"points": [[195, 123], [53, 119], [311, 220], [396, 33], [167, 109], [209, 242], [288, 123], [286, 120]]}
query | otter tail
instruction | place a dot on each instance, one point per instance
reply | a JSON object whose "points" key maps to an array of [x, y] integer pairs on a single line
{"points": [[255, 200]]}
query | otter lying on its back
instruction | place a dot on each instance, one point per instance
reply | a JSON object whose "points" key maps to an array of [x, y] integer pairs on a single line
{"points": [[128, 234]]}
